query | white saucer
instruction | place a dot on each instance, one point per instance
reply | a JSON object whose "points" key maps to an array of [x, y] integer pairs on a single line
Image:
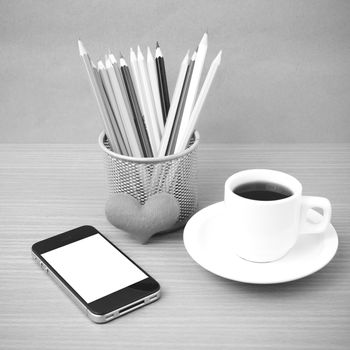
{"points": [[204, 239]]}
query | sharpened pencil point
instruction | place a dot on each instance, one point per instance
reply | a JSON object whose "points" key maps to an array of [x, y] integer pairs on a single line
{"points": [[100, 65], [121, 55], [112, 59], [218, 57], [82, 50], [157, 44], [122, 62], [158, 51], [149, 53], [204, 40]]}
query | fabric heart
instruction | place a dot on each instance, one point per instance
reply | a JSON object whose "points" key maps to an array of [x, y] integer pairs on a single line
{"points": [[159, 213]]}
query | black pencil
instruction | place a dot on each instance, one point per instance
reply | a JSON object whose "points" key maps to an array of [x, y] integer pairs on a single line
{"points": [[162, 81], [180, 107], [136, 110]]}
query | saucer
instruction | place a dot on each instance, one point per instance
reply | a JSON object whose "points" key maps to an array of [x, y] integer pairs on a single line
{"points": [[204, 239]]}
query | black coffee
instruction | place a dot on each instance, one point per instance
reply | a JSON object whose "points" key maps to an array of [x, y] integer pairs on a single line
{"points": [[262, 191]]}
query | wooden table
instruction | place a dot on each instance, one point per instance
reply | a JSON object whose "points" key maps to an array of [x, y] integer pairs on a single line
{"points": [[47, 189]]}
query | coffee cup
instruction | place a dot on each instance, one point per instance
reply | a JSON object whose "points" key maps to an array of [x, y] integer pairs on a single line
{"points": [[265, 213]]}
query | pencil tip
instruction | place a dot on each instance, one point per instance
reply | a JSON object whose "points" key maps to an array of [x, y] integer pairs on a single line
{"points": [[149, 53], [157, 44], [121, 55], [185, 60], [204, 39], [218, 57], [100, 65], [112, 59], [132, 54], [82, 50]]}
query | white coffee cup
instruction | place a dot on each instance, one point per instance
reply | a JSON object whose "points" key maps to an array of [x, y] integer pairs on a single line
{"points": [[265, 230]]}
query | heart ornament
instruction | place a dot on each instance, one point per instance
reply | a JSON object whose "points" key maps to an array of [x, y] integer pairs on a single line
{"points": [[159, 213]]}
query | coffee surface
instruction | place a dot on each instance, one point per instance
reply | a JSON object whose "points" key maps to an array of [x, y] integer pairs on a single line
{"points": [[263, 191]]}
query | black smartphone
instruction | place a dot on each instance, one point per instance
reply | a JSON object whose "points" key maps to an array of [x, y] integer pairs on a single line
{"points": [[98, 276]]}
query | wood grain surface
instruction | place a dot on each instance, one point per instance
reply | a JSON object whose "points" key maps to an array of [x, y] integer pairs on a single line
{"points": [[48, 189]]}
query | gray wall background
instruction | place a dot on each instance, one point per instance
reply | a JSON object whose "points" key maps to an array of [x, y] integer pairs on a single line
{"points": [[284, 75]]}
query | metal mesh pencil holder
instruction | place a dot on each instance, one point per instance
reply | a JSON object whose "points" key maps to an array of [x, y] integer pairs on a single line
{"points": [[142, 178]]}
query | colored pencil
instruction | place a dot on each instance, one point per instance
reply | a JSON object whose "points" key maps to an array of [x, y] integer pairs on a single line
{"points": [[182, 142], [137, 80], [116, 120], [149, 112], [195, 80], [96, 90], [180, 108], [138, 118], [152, 72], [173, 106], [126, 118], [142, 98], [162, 81], [126, 100], [115, 123], [139, 121]]}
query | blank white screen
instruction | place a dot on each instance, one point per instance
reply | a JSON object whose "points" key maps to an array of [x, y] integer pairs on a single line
{"points": [[93, 267]]}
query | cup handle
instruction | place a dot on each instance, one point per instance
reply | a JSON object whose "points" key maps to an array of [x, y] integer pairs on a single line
{"points": [[312, 226]]}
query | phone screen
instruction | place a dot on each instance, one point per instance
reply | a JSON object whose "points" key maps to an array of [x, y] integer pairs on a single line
{"points": [[93, 267]]}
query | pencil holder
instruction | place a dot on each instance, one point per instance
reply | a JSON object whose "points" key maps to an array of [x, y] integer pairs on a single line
{"points": [[151, 195]]}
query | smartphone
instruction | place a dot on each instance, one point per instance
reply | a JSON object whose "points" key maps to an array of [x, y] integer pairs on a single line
{"points": [[98, 276]]}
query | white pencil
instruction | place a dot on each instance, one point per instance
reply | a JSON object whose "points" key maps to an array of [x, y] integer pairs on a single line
{"points": [[182, 143], [195, 80], [100, 102], [121, 103], [137, 79], [173, 106], [152, 72], [142, 99], [150, 117]]}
